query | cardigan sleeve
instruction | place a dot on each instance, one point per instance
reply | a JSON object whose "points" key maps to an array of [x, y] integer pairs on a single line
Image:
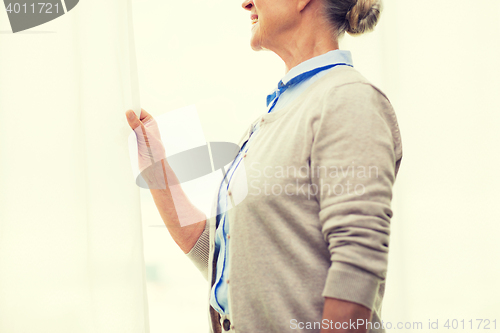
{"points": [[357, 146], [199, 254]]}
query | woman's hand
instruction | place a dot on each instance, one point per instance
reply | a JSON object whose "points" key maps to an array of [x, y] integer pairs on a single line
{"points": [[345, 317], [150, 149]]}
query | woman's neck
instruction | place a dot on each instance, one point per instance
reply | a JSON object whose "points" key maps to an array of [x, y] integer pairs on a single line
{"points": [[299, 52], [311, 37]]}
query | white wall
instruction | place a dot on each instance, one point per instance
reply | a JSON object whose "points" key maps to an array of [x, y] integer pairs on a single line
{"points": [[438, 62]]}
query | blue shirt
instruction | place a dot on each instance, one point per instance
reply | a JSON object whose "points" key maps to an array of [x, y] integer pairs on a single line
{"points": [[219, 293]]}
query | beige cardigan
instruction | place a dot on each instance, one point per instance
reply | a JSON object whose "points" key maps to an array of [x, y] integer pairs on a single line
{"points": [[315, 222]]}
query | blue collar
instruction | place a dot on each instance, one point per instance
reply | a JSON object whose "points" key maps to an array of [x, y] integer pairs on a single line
{"points": [[329, 58], [308, 69]]}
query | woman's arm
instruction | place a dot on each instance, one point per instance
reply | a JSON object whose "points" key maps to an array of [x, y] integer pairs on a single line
{"points": [[183, 220], [356, 135], [185, 236]]}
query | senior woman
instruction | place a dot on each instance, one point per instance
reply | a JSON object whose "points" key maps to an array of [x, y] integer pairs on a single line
{"points": [[307, 248]]}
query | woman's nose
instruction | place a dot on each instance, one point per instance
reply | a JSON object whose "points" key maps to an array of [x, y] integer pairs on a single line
{"points": [[247, 4]]}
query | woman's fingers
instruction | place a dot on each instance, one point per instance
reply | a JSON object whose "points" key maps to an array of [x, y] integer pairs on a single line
{"points": [[135, 122], [145, 116], [132, 119]]}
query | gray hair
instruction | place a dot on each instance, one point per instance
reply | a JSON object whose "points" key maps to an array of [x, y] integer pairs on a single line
{"points": [[352, 16]]}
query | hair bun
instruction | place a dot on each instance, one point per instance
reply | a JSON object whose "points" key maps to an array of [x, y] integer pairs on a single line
{"points": [[363, 16]]}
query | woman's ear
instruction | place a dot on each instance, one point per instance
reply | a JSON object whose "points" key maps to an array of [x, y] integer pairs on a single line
{"points": [[301, 4]]}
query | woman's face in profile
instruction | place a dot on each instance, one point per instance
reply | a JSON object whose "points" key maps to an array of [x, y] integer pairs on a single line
{"points": [[272, 21]]}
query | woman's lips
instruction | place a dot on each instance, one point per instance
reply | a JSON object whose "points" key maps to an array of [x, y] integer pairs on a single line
{"points": [[254, 18]]}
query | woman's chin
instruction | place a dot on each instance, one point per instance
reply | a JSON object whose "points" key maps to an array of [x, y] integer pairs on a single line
{"points": [[255, 38], [255, 44], [256, 47]]}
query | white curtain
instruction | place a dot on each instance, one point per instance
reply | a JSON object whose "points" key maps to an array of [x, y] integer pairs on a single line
{"points": [[71, 249]]}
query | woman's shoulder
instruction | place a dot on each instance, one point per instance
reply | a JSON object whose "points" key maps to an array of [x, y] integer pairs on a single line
{"points": [[347, 96], [350, 79]]}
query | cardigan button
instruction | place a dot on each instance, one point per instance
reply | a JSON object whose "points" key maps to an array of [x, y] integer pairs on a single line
{"points": [[226, 324], [229, 193]]}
